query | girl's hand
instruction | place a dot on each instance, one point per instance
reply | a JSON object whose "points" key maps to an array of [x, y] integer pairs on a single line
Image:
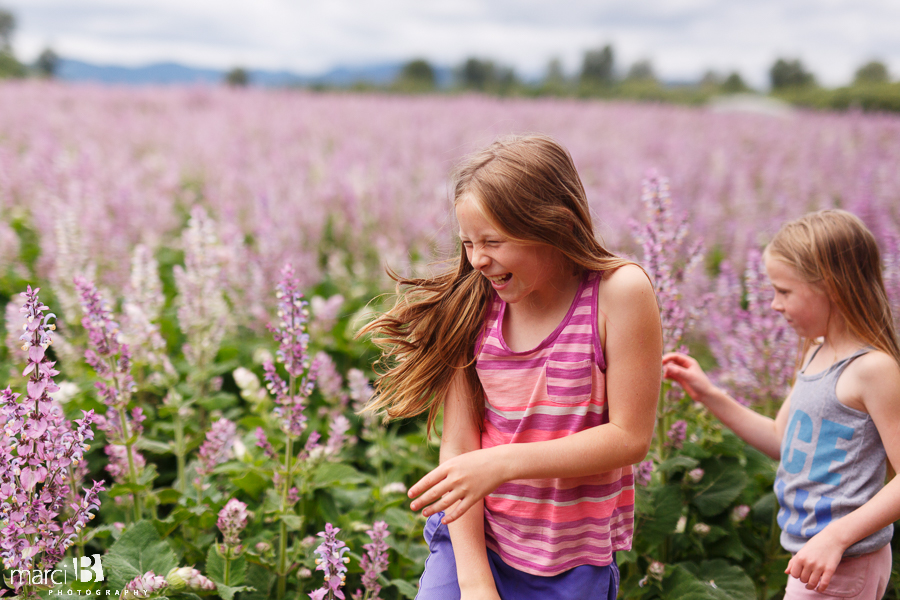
{"points": [[817, 561], [686, 372], [462, 480]]}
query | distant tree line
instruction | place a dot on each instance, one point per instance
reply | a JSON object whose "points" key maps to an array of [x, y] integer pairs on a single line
{"points": [[44, 66], [599, 76]]}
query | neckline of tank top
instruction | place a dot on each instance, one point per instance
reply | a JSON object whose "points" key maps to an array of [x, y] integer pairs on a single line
{"points": [[554, 334], [835, 365]]}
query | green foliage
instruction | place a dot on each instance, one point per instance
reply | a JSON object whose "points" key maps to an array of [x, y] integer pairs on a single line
{"points": [[696, 535], [10, 67], [870, 97], [228, 580], [642, 70], [47, 63], [598, 67], [871, 72], [237, 77], [7, 27], [416, 76], [486, 76], [734, 84], [789, 74], [138, 550]]}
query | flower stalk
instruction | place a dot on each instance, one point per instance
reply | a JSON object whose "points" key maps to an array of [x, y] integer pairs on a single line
{"points": [[111, 359], [39, 454], [290, 333]]}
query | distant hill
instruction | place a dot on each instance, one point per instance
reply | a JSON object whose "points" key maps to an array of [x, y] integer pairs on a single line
{"points": [[174, 73]]}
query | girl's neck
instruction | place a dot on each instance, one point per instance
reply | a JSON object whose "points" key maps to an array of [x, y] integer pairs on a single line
{"points": [[528, 323], [557, 295], [839, 342]]}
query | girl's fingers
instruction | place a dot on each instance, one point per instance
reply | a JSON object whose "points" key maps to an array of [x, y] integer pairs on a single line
{"points": [[807, 574], [672, 370], [676, 357], [430, 496], [825, 580], [441, 504], [813, 580], [426, 483], [794, 568], [459, 510]]}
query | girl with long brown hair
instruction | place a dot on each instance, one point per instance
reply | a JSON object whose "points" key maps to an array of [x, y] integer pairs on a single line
{"points": [[542, 348], [840, 424]]}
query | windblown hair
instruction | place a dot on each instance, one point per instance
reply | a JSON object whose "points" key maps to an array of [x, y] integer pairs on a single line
{"points": [[528, 189], [833, 248]]}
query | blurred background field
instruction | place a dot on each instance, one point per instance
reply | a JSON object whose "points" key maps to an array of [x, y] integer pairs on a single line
{"points": [[183, 204]]}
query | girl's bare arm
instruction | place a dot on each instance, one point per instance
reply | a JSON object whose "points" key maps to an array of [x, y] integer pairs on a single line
{"points": [[759, 431], [633, 351], [460, 436]]}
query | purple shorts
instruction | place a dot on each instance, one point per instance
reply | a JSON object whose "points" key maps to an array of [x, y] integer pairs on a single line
{"points": [[439, 582]]}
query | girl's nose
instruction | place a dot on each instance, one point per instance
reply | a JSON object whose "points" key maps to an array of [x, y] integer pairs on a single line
{"points": [[480, 260]]}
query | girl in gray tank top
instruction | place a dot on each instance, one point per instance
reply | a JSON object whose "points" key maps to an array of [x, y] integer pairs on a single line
{"points": [[840, 425]]}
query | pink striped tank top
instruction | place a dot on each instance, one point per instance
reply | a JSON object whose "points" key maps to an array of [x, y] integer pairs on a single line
{"points": [[548, 526]]}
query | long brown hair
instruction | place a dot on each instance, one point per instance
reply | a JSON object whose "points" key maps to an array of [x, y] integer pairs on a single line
{"points": [[833, 248], [527, 187]]}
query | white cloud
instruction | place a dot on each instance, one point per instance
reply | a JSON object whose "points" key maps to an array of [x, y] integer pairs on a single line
{"points": [[682, 37]]}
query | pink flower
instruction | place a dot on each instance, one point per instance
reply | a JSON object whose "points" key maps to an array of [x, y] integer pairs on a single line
{"points": [[375, 561], [332, 561], [38, 450], [643, 472], [217, 447], [232, 520]]}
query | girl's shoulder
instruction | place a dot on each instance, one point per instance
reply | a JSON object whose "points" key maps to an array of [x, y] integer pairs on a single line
{"points": [[627, 289], [628, 278], [873, 366], [874, 380]]}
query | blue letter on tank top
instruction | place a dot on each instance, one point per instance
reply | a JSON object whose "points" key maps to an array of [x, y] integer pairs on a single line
{"points": [[784, 513], [796, 526], [827, 452], [797, 458], [823, 516]]}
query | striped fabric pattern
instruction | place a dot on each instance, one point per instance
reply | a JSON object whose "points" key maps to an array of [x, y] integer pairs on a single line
{"points": [[548, 526]]}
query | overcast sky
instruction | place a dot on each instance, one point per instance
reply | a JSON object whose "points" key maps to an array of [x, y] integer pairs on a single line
{"points": [[682, 38]]}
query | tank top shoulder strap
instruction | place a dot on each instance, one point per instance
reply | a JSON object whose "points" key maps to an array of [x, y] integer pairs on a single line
{"points": [[816, 351], [594, 284], [840, 365]]}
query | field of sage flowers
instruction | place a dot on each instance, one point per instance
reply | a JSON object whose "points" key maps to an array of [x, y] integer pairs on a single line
{"points": [[184, 271]]}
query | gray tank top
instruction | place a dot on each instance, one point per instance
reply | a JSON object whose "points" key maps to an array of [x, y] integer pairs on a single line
{"points": [[832, 462]]}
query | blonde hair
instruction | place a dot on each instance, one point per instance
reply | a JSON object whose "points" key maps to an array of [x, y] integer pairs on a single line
{"points": [[834, 248], [528, 188]]}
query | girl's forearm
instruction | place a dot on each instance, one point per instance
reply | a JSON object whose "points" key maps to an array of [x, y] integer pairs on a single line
{"points": [[596, 450], [879, 512], [472, 569]]}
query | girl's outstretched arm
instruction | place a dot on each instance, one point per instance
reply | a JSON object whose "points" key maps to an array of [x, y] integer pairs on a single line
{"points": [[875, 379], [633, 351], [461, 435], [758, 430]]}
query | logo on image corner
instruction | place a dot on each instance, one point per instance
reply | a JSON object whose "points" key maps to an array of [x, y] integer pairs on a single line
{"points": [[88, 568]]}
